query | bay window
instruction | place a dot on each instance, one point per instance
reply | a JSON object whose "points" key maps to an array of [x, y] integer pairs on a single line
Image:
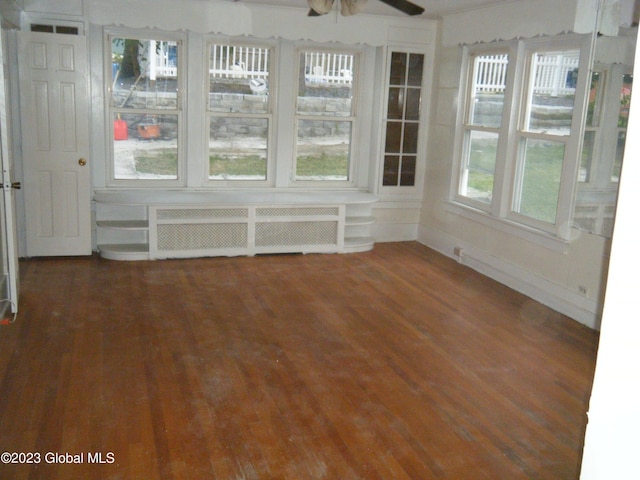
{"points": [[212, 125]]}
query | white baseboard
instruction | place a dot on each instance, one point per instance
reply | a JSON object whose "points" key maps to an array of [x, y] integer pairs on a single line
{"points": [[395, 232], [584, 310]]}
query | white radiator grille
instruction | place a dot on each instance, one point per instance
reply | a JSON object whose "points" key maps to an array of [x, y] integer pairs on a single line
{"points": [[297, 212], [296, 233], [201, 236], [195, 213]]}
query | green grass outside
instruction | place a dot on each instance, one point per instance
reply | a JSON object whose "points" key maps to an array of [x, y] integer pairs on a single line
{"points": [[246, 165], [322, 164], [160, 161], [164, 162], [541, 183], [539, 189]]}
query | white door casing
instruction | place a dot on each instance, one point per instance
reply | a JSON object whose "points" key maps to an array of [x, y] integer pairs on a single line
{"points": [[55, 143], [9, 240]]}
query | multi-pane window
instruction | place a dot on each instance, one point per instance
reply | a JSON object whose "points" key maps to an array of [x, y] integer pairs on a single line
{"points": [[483, 125], [226, 138], [592, 124], [239, 109], [145, 108], [602, 148], [518, 139], [621, 126], [325, 115], [403, 119]]}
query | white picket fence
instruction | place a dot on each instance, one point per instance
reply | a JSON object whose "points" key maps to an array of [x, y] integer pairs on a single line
{"points": [[553, 74], [491, 73], [229, 61], [328, 68]]}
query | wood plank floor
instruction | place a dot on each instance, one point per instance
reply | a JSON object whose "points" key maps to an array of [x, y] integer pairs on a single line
{"points": [[392, 364]]}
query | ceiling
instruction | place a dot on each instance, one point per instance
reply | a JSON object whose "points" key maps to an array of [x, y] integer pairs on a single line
{"points": [[433, 8]]}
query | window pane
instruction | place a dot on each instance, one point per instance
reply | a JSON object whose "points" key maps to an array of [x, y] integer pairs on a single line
{"points": [[238, 79], [395, 108], [408, 171], [623, 119], [325, 84], [398, 68], [410, 138], [540, 179], [617, 161], [323, 150], [413, 104], [145, 146], [238, 148], [416, 62], [490, 80], [625, 100], [480, 166], [393, 137], [391, 169], [586, 160], [552, 92], [595, 99], [144, 73]]}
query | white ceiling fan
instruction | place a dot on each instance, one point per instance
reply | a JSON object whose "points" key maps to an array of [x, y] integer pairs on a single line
{"points": [[351, 7]]}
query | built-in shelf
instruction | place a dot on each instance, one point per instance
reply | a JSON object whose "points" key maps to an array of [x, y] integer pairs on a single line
{"points": [[124, 224], [141, 225], [124, 251], [360, 220], [358, 244]]}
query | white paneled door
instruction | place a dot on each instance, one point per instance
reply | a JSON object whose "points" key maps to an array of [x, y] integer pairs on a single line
{"points": [[55, 136]]}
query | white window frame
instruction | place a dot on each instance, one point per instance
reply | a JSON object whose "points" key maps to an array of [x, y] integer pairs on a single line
{"points": [[606, 131], [508, 161], [353, 118], [269, 115], [110, 109], [495, 207]]}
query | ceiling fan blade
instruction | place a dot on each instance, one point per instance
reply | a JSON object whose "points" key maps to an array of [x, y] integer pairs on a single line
{"points": [[319, 7], [405, 6], [351, 7]]}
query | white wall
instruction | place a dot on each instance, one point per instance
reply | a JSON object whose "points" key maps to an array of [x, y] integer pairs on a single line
{"points": [[611, 441]]}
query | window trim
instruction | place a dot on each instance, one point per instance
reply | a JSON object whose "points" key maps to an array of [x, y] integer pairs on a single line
{"points": [[146, 34], [508, 160]]}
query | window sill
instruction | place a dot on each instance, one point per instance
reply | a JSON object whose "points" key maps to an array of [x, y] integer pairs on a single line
{"points": [[196, 197], [539, 237]]}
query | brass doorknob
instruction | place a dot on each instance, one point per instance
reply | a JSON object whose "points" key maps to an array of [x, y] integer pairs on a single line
{"points": [[82, 162]]}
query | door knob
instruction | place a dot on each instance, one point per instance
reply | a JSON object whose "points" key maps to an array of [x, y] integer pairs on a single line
{"points": [[82, 162]]}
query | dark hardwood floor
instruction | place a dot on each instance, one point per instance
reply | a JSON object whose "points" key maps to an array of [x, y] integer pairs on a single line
{"points": [[392, 364]]}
